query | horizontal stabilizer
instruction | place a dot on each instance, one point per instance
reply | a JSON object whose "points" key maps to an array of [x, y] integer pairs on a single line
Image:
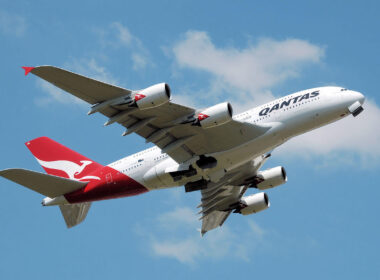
{"points": [[48, 185], [75, 214]]}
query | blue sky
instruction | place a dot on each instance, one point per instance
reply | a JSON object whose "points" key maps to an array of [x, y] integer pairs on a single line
{"points": [[322, 223]]}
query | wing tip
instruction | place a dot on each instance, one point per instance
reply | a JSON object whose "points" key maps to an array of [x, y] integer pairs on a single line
{"points": [[27, 69], [36, 69], [8, 170], [202, 232], [3, 172]]}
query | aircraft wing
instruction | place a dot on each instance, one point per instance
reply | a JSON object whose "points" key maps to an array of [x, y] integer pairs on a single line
{"points": [[87, 89], [215, 202], [166, 126], [219, 199]]}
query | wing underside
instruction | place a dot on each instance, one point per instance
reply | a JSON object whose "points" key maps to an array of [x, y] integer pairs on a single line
{"points": [[215, 204], [219, 199], [87, 89]]}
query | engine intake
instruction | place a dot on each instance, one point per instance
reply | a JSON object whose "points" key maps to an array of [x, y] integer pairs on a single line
{"points": [[152, 96], [216, 115], [253, 204]]}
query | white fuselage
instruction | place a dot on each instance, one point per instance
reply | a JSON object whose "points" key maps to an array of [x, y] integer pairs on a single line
{"points": [[287, 117]]}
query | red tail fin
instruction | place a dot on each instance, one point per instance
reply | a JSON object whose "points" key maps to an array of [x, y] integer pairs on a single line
{"points": [[61, 161]]}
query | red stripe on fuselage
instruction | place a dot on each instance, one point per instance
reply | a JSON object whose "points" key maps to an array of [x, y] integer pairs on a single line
{"points": [[112, 184]]}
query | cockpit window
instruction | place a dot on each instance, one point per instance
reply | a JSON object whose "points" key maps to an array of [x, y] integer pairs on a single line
{"points": [[343, 89]]}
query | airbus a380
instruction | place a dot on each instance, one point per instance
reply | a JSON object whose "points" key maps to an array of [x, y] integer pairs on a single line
{"points": [[208, 150]]}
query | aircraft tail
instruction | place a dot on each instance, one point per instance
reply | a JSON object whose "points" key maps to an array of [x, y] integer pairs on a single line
{"points": [[48, 185], [61, 161], [67, 170], [75, 214], [52, 186]]}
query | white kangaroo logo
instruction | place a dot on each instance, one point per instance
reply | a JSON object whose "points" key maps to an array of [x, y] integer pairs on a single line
{"points": [[70, 168]]}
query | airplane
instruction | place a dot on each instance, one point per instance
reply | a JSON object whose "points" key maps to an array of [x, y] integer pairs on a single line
{"points": [[208, 150]]}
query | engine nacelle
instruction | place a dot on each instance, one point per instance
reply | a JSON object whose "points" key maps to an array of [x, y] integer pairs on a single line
{"points": [[152, 96], [215, 115], [270, 178], [253, 203]]}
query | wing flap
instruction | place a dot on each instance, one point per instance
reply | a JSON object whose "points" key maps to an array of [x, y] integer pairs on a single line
{"points": [[48, 185]]}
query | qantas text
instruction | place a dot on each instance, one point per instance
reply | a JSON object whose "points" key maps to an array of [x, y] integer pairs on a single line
{"points": [[288, 102]]}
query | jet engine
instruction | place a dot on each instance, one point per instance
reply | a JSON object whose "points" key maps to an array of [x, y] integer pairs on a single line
{"points": [[152, 96], [253, 204], [215, 115], [270, 178]]}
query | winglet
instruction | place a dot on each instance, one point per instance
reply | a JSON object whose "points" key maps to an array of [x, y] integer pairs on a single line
{"points": [[201, 232], [27, 69]]}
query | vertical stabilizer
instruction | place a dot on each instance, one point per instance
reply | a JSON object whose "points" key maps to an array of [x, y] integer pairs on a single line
{"points": [[61, 161], [75, 214]]}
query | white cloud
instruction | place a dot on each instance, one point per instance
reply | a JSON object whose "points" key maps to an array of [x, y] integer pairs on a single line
{"points": [[178, 217], [123, 34], [184, 251], [173, 235], [259, 232], [116, 36], [248, 72], [185, 99], [91, 68], [12, 24], [139, 61], [341, 142]]}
